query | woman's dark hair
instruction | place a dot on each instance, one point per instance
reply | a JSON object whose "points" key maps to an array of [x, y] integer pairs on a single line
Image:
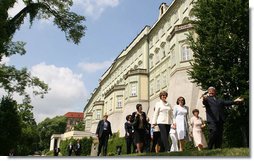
{"points": [[163, 93], [195, 110], [127, 117], [138, 105], [178, 100]]}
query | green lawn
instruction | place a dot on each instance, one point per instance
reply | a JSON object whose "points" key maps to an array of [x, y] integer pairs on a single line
{"points": [[240, 152]]}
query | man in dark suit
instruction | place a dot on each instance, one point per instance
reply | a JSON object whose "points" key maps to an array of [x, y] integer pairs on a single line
{"points": [[215, 116], [70, 149], [78, 148], [103, 131], [56, 151]]}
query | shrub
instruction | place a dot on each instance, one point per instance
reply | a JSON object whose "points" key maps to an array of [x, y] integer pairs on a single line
{"points": [[115, 141], [86, 144]]}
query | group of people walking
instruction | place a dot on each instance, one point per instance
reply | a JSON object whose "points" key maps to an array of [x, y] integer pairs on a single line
{"points": [[166, 121], [171, 122]]}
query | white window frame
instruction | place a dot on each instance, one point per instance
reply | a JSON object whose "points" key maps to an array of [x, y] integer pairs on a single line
{"points": [[133, 91], [98, 114], [119, 101], [186, 55]]}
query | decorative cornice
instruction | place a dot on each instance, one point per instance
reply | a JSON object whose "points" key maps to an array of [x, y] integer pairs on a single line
{"points": [[180, 69], [179, 28], [88, 114], [115, 88], [97, 103], [135, 72]]}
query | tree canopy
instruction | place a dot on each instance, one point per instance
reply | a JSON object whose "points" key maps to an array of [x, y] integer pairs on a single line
{"points": [[220, 48], [48, 127], [10, 125], [12, 79], [17, 123]]}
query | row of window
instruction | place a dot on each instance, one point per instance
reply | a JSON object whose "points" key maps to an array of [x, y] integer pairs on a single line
{"points": [[134, 62], [185, 55], [158, 83], [167, 26]]}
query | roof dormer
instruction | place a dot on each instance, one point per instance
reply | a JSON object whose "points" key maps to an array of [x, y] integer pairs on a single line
{"points": [[163, 7]]}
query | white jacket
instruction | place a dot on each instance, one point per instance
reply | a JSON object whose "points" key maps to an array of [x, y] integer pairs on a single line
{"points": [[163, 113]]}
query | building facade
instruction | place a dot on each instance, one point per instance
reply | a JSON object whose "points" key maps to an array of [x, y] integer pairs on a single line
{"points": [[156, 60], [73, 118]]}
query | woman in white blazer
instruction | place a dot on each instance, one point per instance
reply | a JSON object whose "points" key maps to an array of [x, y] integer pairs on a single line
{"points": [[163, 117]]}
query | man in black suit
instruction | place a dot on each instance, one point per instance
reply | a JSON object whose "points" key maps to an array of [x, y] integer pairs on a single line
{"points": [[78, 148], [70, 149], [215, 116], [103, 131]]}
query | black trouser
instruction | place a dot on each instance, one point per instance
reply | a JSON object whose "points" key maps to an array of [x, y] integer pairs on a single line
{"points": [[164, 130], [103, 141], [215, 134], [69, 152], [147, 143], [156, 140], [129, 143]]}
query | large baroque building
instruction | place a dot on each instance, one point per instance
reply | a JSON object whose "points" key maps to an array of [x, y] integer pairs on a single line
{"points": [[156, 60]]}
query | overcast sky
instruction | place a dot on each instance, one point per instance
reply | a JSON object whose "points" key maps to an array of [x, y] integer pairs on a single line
{"points": [[72, 71]]}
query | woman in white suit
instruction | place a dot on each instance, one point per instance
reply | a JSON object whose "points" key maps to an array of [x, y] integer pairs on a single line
{"points": [[181, 122], [163, 117]]}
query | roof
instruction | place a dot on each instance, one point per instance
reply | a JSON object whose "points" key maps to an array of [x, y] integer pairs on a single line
{"points": [[74, 115]]}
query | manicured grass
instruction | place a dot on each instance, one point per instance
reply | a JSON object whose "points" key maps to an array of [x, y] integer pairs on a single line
{"points": [[239, 152]]}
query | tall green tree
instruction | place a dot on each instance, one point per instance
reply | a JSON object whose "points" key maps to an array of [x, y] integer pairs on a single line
{"points": [[47, 127], [221, 59], [80, 126], [29, 139], [12, 79], [10, 125]]}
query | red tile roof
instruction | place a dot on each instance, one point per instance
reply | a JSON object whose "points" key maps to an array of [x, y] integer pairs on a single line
{"points": [[74, 115]]}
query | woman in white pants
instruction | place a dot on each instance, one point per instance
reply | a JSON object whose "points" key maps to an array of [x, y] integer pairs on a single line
{"points": [[173, 136]]}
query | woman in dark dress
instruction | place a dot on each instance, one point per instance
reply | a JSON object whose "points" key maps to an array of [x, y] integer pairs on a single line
{"points": [[140, 125]]}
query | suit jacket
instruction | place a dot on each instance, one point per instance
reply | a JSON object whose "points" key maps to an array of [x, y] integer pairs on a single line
{"points": [[78, 149], [100, 128], [128, 128], [135, 120], [215, 109], [163, 113]]}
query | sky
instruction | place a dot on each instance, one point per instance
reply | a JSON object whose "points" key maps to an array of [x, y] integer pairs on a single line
{"points": [[73, 71]]}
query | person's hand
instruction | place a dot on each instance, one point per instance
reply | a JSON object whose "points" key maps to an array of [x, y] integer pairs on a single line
{"points": [[174, 126], [128, 134], [238, 100], [203, 125], [190, 134], [204, 97]]}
